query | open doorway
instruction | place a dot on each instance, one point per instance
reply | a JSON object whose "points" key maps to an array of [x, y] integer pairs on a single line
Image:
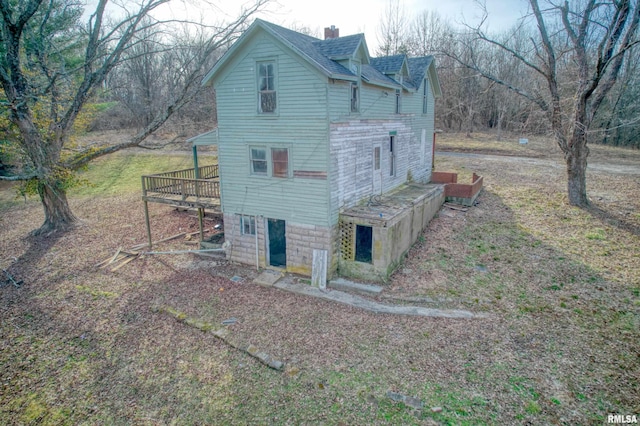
{"points": [[277, 242], [364, 243]]}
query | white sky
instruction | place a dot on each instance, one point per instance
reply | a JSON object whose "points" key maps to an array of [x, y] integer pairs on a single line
{"points": [[363, 16], [353, 16]]}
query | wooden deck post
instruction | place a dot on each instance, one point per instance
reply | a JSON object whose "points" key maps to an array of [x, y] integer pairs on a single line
{"points": [[146, 217], [200, 220], [195, 162]]}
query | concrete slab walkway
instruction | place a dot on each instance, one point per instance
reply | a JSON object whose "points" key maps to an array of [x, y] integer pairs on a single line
{"points": [[369, 305]]}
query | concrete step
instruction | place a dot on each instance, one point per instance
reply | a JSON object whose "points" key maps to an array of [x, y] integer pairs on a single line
{"points": [[353, 287]]}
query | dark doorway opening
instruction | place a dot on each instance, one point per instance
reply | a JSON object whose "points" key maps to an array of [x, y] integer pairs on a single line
{"points": [[277, 242], [364, 243]]}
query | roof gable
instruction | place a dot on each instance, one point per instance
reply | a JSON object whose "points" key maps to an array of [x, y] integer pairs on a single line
{"points": [[419, 67], [389, 71]]}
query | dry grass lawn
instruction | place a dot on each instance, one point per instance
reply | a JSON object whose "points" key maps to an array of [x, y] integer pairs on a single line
{"points": [[561, 285]]}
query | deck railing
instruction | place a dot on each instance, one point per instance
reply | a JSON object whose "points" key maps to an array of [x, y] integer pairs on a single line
{"points": [[183, 183]]}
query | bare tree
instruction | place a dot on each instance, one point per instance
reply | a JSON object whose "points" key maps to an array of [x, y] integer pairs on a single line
{"points": [[51, 64], [393, 30], [584, 39]]}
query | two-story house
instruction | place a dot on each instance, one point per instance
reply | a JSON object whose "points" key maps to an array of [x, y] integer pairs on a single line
{"points": [[322, 147]]}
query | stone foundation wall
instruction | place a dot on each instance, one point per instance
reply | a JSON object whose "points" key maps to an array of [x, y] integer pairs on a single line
{"points": [[301, 241]]}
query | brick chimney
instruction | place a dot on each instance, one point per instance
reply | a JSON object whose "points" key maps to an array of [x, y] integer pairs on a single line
{"points": [[331, 32]]}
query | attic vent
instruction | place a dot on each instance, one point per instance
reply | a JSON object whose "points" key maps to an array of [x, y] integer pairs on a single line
{"points": [[347, 243]]}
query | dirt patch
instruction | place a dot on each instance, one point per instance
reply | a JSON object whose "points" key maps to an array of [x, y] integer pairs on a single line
{"points": [[81, 344]]}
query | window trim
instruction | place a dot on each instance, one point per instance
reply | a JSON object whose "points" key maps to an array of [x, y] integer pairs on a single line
{"points": [[252, 224], [398, 101], [259, 63]]}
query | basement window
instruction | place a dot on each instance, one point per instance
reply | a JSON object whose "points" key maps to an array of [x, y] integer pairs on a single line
{"points": [[364, 243], [248, 224]]}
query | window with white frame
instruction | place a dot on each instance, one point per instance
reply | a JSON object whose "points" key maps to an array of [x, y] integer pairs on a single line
{"points": [[398, 101], [267, 99], [248, 224], [258, 161]]}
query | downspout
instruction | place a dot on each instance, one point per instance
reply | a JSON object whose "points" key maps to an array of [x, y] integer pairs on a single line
{"points": [[257, 252]]}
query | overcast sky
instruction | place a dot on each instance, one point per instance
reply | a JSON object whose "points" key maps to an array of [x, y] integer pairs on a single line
{"points": [[362, 16], [356, 16]]}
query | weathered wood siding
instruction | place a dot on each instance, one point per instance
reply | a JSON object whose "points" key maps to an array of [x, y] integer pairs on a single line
{"points": [[353, 137], [299, 124]]}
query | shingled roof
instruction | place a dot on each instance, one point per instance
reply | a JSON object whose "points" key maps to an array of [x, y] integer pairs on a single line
{"points": [[324, 55]]}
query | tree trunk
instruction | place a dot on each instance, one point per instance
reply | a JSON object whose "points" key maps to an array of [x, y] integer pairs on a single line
{"points": [[576, 161], [57, 214]]}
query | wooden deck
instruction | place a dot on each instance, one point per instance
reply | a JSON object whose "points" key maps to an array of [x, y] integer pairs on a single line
{"points": [[181, 188]]}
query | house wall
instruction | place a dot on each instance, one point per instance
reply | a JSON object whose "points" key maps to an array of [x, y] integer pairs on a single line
{"points": [[299, 124], [301, 241], [353, 136]]}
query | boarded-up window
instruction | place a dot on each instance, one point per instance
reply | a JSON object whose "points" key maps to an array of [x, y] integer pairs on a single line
{"points": [[376, 158], [258, 161], [267, 87], [280, 162], [364, 243]]}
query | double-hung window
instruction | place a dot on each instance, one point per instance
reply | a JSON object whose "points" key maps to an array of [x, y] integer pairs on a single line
{"points": [[267, 99], [258, 161]]}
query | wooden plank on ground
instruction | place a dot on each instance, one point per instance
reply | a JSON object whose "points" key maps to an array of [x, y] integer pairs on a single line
{"points": [[319, 269]]}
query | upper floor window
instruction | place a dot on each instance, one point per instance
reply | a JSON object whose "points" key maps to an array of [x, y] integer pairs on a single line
{"points": [[267, 87], [258, 160], [355, 97], [280, 162], [425, 99], [398, 92]]}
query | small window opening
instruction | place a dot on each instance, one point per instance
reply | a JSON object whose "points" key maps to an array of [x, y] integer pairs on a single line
{"points": [[376, 158], [355, 97], [397, 101], [392, 155], [364, 243], [248, 225], [424, 96]]}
